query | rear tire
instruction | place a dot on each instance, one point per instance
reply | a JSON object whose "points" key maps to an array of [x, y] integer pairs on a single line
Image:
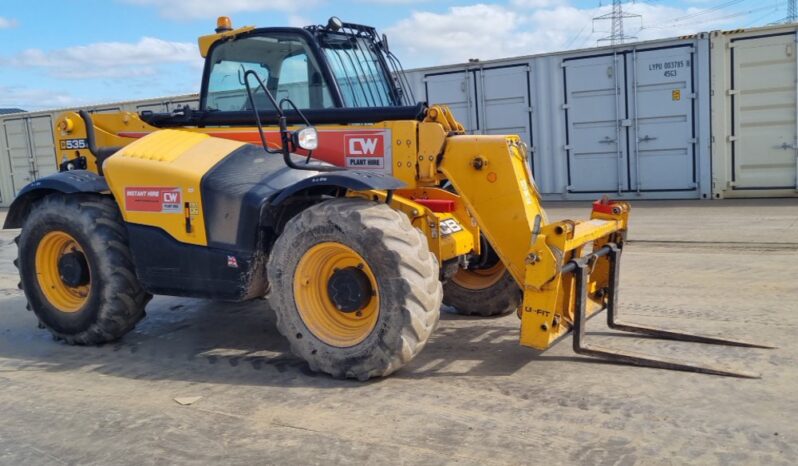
{"points": [[485, 292], [94, 297], [380, 250]]}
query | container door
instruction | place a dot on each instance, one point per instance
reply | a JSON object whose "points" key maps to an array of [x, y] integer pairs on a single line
{"points": [[596, 124], [18, 152], [457, 90], [505, 101], [42, 146], [662, 132], [763, 99]]}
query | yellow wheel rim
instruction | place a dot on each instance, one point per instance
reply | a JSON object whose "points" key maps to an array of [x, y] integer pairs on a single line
{"points": [[318, 311], [479, 279], [52, 247]]}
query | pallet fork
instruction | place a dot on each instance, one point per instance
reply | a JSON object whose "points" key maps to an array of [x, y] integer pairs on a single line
{"points": [[580, 268]]}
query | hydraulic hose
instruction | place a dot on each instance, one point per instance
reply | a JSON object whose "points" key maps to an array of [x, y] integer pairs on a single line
{"points": [[99, 153]]}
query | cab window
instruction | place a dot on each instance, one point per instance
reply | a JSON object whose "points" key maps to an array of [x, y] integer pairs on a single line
{"points": [[282, 61]]}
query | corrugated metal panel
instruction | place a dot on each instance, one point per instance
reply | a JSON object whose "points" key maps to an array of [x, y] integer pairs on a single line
{"points": [[663, 130], [457, 90], [631, 121], [42, 145], [17, 145], [505, 99], [26, 140], [596, 111], [754, 97]]}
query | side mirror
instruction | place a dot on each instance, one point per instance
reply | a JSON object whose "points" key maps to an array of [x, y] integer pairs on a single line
{"points": [[306, 138]]}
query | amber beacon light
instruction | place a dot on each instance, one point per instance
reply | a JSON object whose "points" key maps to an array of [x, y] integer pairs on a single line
{"points": [[223, 24]]}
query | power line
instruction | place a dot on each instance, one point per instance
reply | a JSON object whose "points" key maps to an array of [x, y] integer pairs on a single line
{"points": [[706, 11], [574, 38], [731, 15]]}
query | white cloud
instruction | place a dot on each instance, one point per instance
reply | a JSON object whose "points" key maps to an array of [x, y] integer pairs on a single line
{"points": [[462, 32], [34, 99], [523, 27], [538, 3], [298, 21], [6, 23], [108, 59], [197, 9], [392, 2]]}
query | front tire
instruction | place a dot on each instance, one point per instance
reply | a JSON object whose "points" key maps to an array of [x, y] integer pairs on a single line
{"points": [[354, 287], [76, 269]]}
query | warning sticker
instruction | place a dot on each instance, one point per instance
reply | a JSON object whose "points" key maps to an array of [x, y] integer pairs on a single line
{"points": [[676, 94], [153, 199]]}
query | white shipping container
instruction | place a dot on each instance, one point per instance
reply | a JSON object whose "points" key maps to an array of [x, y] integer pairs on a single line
{"points": [[755, 112], [709, 115], [27, 150], [631, 121]]}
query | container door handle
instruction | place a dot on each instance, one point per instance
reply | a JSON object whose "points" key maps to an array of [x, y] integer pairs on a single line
{"points": [[646, 138], [607, 140], [785, 146]]}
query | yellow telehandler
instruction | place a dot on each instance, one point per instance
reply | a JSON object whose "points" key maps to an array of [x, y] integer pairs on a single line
{"points": [[309, 175]]}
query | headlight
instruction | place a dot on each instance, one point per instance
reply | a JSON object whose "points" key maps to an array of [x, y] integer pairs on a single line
{"points": [[307, 138]]}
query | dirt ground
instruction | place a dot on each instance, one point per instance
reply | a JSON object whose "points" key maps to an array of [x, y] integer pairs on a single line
{"points": [[474, 396]]}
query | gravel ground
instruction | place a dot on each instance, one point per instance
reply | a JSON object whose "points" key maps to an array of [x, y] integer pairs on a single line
{"points": [[474, 396]]}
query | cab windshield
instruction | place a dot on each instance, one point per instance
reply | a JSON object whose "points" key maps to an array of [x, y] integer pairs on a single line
{"points": [[285, 63]]}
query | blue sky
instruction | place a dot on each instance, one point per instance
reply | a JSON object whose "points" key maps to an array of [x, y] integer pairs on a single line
{"points": [[59, 54]]}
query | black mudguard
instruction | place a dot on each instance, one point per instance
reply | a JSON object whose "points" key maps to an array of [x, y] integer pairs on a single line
{"points": [[76, 181], [239, 191]]}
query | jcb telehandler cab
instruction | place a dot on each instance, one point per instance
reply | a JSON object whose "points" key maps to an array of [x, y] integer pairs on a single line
{"points": [[309, 175]]}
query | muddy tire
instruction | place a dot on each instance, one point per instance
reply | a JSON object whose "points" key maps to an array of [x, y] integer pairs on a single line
{"points": [[485, 291], [354, 287], [76, 269]]}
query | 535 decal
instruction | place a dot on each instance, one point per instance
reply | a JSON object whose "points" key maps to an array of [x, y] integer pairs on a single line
{"points": [[74, 144]]}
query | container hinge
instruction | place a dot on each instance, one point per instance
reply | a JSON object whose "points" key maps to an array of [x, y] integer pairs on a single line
{"points": [[731, 138], [693, 140], [567, 147], [529, 68], [693, 96], [530, 109], [732, 92], [566, 106]]}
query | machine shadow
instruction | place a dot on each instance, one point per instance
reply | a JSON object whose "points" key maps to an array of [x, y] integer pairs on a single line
{"points": [[238, 343]]}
